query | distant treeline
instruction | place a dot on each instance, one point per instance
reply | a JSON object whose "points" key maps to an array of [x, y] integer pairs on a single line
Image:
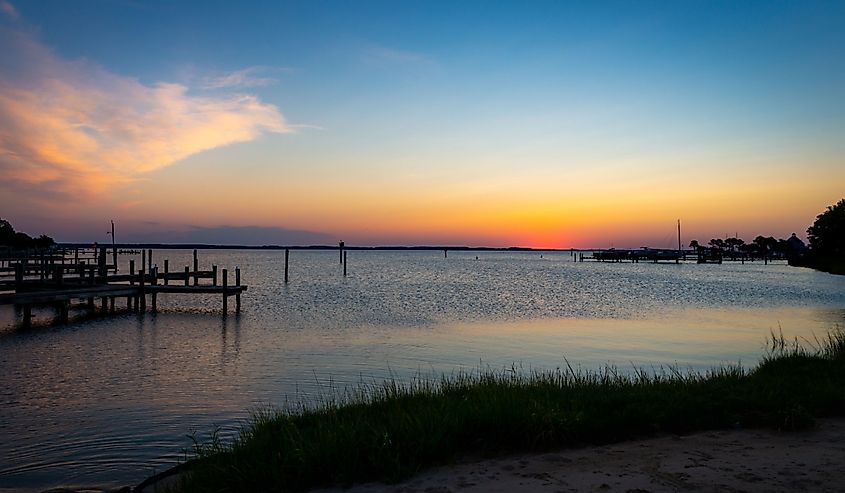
{"points": [[17, 240], [761, 246], [205, 246]]}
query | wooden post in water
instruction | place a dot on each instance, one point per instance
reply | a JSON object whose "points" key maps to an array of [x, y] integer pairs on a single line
{"points": [[214, 275], [196, 267], [166, 271], [142, 297], [287, 255], [238, 294], [150, 258], [445, 253], [340, 249], [187, 275], [153, 294], [344, 264], [143, 263], [225, 292]]}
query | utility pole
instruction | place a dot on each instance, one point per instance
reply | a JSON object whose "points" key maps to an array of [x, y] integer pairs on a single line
{"points": [[679, 236], [113, 246]]}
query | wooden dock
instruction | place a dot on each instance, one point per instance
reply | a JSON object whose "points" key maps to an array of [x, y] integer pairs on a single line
{"points": [[57, 280]]}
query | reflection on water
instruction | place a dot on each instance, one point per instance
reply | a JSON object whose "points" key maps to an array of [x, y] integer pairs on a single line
{"points": [[108, 401]]}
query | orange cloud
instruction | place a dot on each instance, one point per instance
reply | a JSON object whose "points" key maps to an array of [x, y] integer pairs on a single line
{"points": [[74, 127]]}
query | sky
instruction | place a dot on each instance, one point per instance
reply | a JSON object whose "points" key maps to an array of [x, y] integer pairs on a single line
{"points": [[539, 124]]}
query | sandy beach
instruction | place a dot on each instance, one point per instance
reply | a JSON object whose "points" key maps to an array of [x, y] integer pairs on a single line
{"points": [[735, 460]]}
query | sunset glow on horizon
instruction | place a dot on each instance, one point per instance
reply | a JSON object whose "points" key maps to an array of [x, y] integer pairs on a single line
{"points": [[547, 124]]}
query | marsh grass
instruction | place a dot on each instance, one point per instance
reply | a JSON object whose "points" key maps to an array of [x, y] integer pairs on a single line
{"points": [[391, 430]]}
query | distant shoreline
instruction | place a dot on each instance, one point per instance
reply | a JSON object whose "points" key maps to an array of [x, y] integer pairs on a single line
{"points": [[202, 246]]}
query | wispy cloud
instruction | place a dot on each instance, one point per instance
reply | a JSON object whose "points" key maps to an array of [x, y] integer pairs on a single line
{"points": [[9, 10], [74, 127], [248, 77]]}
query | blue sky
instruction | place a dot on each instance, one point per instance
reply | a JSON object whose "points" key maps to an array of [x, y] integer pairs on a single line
{"points": [[403, 96]]}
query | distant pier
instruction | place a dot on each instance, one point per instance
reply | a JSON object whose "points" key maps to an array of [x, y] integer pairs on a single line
{"points": [[701, 256]]}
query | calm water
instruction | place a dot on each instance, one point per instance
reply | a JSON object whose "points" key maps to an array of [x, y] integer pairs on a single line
{"points": [[109, 401]]}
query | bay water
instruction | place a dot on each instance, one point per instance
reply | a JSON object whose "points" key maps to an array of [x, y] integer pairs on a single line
{"points": [[109, 401]]}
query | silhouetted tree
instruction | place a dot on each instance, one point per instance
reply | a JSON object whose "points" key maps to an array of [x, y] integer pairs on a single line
{"points": [[44, 241], [827, 234], [717, 243], [16, 239], [7, 233], [694, 244]]}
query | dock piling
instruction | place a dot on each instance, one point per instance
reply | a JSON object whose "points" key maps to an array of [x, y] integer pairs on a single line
{"points": [[196, 267], [344, 264], [225, 293], [132, 272], [166, 271], [238, 295], [142, 297], [287, 255]]}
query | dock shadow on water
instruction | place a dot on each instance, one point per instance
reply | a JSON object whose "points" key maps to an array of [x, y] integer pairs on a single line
{"points": [[106, 401]]}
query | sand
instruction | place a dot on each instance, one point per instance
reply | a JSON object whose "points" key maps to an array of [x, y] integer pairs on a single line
{"points": [[731, 461]]}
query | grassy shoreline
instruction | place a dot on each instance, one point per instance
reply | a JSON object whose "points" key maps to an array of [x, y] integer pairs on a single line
{"points": [[391, 431]]}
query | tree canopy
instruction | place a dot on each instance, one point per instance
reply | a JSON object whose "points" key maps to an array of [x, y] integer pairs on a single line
{"points": [[827, 234], [16, 239]]}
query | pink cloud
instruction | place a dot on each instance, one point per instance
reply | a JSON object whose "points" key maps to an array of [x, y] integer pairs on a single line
{"points": [[74, 127]]}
